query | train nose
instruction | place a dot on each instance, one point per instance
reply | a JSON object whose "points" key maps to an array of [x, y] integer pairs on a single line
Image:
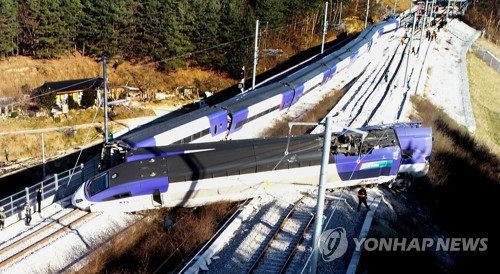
{"points": [[79, 200]]}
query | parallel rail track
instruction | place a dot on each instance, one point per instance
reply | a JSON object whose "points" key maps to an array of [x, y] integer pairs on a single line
{"points": [[38, 236], [276, 254]]}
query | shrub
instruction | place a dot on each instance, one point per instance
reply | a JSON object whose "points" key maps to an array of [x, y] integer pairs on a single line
{"points": [[72, 104], [48, 99], [88, 98]]}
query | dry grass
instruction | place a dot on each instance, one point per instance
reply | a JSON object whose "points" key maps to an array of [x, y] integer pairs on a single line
{"points": [[488, 45], [16, 147], [35, 72], [484, 84], [146, 247]]}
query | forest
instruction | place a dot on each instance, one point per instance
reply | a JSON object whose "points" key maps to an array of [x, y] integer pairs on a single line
{"points": [[162, 31]]}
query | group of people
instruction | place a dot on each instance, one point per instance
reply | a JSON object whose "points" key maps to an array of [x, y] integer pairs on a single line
{"points": [[26, 209], [430, 36]]}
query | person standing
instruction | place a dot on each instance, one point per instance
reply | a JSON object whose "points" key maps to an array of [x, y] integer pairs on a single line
{"points": [[39, 200], [362, 196], [27, 213], [2, 218]]}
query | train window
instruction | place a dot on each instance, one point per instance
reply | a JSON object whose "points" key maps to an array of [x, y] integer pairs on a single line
{"points": [[98, 184], [407, 154]]}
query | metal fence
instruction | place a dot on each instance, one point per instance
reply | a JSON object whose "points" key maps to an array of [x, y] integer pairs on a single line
{"points": [[55, 188]]}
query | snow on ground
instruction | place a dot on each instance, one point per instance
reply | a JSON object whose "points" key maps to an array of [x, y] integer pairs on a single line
{"points": [[446, 67], [447, 81], [65, 249]]}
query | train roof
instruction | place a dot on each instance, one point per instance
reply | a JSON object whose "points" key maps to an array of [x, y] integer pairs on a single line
{"points": [[230, 159], [160, 125]]}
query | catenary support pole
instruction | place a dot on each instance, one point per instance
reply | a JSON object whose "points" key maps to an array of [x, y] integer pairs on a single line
{"points": [[447, 10], [367, 8], [43, 156], [406, 82], [318, 221], [432, 12], [422, 24], [105, 78], [340, 16], [255, 53], [325, 25]]}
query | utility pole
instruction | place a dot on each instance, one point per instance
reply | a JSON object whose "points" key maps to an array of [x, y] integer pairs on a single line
{"points": [[325, 159], [43, 156], [432, 12], [422, 27], [325, 24], [255, 53], [241, 85], [395, 2], [340, 16], [409, 49], [318, 221], [105, 77], [447, 10], [367, 8]]}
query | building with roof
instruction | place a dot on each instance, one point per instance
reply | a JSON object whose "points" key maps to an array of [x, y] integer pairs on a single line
{"points": [[70, 88]]}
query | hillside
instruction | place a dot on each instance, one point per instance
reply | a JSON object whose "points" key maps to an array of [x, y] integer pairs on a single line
{"points": [[21, 73]]}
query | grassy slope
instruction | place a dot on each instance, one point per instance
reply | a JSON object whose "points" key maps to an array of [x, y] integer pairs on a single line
{"points": [[484, 85]]}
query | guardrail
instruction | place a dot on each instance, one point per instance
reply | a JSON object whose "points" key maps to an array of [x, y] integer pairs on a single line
{"points": [[54, 188], [488, 57]]}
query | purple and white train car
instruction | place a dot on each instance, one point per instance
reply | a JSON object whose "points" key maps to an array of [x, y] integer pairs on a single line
{"points": [[236, 170], [227, 119]]}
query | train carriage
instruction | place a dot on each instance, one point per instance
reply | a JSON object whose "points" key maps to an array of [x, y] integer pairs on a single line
{"points": [[268, 101], [235, 170]]}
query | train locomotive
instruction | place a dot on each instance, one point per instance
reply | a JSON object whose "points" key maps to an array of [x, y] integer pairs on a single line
{"points": [[190, 175]]}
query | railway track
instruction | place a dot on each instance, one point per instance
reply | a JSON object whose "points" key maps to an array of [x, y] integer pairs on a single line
{"points": [[36, 237], [276, 253]]}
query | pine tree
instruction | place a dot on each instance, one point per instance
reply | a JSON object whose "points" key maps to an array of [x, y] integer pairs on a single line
{"points": [[8, 27]]}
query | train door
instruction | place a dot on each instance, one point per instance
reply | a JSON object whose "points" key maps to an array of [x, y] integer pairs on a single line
{"points": [[157, 201]]}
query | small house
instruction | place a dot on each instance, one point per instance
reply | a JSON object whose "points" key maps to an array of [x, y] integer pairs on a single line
{"points": [[73, 88]]}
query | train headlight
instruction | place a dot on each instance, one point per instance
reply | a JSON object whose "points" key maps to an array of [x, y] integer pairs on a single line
{"points": [[78, 201]]}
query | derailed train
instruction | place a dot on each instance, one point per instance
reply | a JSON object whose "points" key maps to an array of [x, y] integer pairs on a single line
{"points": [[196, 174], [226, 119]]}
